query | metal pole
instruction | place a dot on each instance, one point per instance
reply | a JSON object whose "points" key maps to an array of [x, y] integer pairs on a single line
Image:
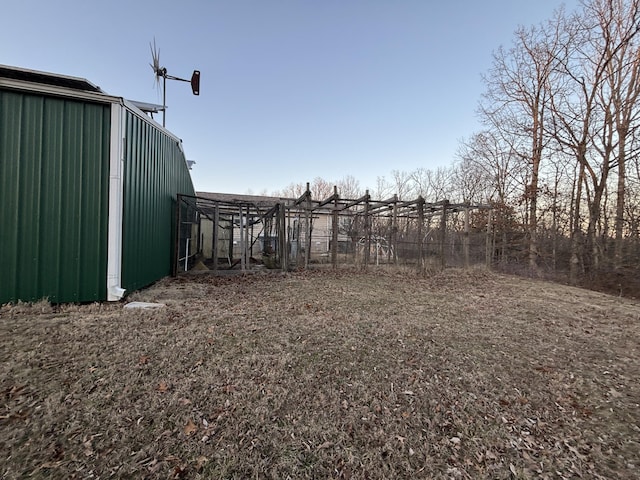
{"points": [[488, 250], [283, 249], [465, 243], [164, 97], [242, 257], [421, 260], [186, 254], [443, 234], [334, 229], [176, 247], [309, 218], [247, 242], [394, 230], [215, 239], [367, 231]]}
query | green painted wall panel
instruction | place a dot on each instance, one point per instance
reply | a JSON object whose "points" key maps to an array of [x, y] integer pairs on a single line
{"points": [[155, 172], [54, 178]]}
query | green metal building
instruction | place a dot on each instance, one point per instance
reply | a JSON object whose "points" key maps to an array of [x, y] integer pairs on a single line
{"points": [[88, 186]]}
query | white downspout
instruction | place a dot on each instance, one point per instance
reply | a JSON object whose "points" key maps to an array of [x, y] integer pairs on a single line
{"points": [[116, 181]]}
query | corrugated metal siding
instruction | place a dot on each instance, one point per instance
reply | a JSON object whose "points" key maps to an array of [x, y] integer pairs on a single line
{"points": [[54, 174], [155, 172]]}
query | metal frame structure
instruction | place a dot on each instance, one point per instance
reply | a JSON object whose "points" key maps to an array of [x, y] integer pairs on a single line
{"points": [[249, 233]]}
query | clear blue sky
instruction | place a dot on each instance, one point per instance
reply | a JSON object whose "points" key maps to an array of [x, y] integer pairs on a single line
{"points": [[290, 89]]}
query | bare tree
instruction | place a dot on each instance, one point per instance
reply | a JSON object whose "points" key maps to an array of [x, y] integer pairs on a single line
{"points": [[623, 82], [432, 185], [584, 111], [402, 184], [470, 181], [516, 103], [497, 165], [349, 187], [420, 179], [321, 188], [383, 189], [497, 171], [293, 190]]}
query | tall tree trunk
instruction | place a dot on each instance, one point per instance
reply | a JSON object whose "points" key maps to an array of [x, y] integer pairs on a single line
{"points": [[554, 225], [533, 193], [592, 230], [576, 233], [620, 202]]}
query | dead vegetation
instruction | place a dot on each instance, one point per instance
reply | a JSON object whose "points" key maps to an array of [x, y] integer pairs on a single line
{"points": [[325, 375]]}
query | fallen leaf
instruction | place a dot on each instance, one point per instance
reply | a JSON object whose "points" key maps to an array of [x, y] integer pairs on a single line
{"points": [[201, 461], [49, 465], [575, 451], [184, 401], [88, 448], [143, 359], [16, 390], [190, 428], [490, 455], [180, 471], [162, 387], [614, 393]]}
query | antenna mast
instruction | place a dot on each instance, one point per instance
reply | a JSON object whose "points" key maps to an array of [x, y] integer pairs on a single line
{"points": [[162, 72]]}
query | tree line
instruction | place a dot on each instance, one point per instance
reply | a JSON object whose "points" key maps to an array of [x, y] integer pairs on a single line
{"points": [[557, 157]]}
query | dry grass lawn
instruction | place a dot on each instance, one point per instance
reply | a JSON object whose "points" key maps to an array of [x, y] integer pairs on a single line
{"points": [[339, 375]]}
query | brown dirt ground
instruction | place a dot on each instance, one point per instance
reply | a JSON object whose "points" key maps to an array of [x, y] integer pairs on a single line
{"points": [[325, 375]]}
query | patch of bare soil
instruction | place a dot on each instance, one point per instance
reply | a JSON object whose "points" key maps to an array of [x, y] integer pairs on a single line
{"points": [[325, 375]]}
